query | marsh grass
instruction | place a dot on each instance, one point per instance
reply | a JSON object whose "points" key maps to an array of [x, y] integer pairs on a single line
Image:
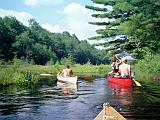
{"points": [[24, 74], [148, 69]]}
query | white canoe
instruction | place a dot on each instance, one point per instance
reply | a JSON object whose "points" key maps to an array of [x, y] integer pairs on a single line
{"points": [[109, 113], [72, 80]]}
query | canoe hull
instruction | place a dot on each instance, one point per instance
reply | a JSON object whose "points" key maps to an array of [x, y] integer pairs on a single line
{"points": [[120, 81], [109, 113], [119, 88], [72, 80]]}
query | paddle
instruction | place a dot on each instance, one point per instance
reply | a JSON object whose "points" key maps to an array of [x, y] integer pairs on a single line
{"points": [[137, 83]]}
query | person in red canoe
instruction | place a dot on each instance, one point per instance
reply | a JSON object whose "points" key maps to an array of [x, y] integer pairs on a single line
{"points": [[115, 67], [125, 69]]}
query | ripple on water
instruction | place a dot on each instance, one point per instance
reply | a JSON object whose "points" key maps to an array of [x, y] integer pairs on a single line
{"points": [[82, 102]]}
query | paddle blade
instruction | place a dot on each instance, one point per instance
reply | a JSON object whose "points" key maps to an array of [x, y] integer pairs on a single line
{"points": [[137, 83]]}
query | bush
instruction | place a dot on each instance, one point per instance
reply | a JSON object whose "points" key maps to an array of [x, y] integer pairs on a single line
{"points": [[6, 76], [148, 68]]}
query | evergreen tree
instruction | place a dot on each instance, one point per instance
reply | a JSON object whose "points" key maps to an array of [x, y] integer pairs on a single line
{"points": [[137, 19]]}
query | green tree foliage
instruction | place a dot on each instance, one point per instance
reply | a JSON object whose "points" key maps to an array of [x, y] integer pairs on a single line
{"points": [[138, 19], [36, 45], [10, 27]]}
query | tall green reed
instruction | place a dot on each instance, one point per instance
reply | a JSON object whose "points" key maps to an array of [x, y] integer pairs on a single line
{"points": [[148, 68]]}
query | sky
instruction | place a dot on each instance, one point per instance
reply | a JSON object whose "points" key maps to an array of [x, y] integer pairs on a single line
{"points": [[54, 15]]}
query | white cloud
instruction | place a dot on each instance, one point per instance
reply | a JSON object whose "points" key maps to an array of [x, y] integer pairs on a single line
{"points": [[77, 18], [24, 17], [110, 8], [21, 16], [33, 3], [52, 28]]}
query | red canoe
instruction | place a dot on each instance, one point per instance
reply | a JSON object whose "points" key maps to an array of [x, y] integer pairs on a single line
{"points": [[120, 81]]}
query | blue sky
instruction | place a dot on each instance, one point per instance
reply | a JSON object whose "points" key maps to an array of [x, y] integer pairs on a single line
{"points": [[53, 15], [44, 10]]}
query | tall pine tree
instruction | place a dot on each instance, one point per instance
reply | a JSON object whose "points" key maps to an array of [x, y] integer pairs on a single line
{"points": [[138, 19]]}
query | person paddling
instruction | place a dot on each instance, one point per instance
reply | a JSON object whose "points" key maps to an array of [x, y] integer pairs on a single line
{"points": [[67, 72], [115, 67], [125, 69]]}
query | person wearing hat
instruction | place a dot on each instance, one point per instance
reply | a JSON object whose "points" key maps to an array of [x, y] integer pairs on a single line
{"points": [[125, 69]]}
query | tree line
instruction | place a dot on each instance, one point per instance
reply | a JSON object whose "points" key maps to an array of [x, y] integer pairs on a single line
{"points": [[36, 45]]}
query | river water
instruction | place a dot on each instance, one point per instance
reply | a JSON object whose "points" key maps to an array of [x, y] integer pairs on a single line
{"points": [[51, 101]]}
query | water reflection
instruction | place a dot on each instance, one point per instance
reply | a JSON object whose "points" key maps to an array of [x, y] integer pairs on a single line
{"points": [[87, 78], [48, 100], [67, 88], [121, 94]]}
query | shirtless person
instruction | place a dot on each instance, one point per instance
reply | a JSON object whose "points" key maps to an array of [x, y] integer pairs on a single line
{"points": [[125, 69], [67, 72]]}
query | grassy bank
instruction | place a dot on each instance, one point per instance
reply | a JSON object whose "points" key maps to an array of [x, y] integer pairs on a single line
{"points": [[22, 74], [148, 69]]}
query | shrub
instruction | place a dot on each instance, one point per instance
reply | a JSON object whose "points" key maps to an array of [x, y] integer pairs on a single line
{"points": [[148, 68]]}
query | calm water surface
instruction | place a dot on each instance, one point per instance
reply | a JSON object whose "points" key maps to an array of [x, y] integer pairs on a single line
{"points": [[48, 101]]}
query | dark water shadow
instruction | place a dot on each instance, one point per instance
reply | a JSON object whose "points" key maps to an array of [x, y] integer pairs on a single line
{"points": [[46, 100]]}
